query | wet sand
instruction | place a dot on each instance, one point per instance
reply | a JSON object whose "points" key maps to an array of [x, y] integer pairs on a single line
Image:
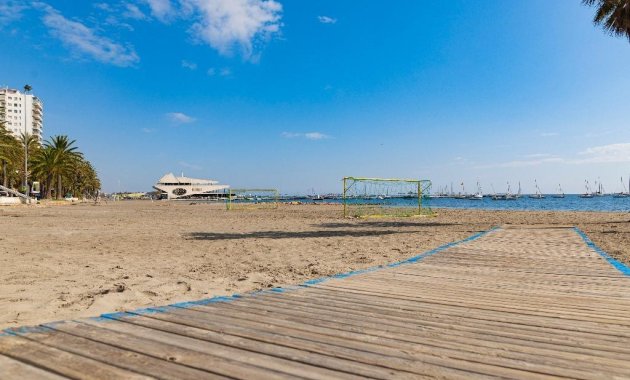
{"points": [[61, 262]]}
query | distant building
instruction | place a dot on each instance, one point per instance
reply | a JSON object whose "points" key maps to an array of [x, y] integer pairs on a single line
{"points": [[171, 187], [23, 113]]}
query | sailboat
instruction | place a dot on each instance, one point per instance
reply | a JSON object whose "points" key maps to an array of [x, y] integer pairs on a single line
{"points": [[478, 195], [495, 196], [588, 193], [623, 193], [600, 189], [560, 193], [538, 194], [463, 194], [511, 197]]}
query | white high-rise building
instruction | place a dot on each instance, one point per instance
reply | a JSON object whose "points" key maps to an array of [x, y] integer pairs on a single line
{"points": [[23, 113]]}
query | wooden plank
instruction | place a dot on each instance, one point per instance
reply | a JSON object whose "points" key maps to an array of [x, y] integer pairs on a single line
{"points": [[130, 360], [251, 357], [401, 340], [495, 313], [542, 303], [367, 349], [440, 296], [410, 331], [457, 327], [11, 369], [381, 363], [169, 352], [61, 362], [321, 364]]}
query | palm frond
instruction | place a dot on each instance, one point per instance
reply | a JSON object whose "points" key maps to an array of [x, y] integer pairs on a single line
{"points": [[612, 15]]}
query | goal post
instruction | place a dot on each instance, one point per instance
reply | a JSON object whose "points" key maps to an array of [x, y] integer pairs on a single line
{"points": [[373, 197], [252, 199]]}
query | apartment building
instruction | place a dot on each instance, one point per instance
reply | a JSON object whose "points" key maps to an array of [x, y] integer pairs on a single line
{"points": [[23, 113]]}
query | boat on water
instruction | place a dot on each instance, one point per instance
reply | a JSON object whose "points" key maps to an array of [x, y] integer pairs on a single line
{"points": [[172, 187], [624, 193], [518, 194], [538, 194], [600, 189], [441, 193], [560, 193], [588, 193], [463, 194], [478, 196], [508, 196]]}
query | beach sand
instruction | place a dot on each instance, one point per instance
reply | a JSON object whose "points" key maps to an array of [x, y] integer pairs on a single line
{"points": [[62, 262]]}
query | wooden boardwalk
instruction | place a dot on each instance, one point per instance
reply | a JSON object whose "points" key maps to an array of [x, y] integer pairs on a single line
{"points": [[514, 303]]}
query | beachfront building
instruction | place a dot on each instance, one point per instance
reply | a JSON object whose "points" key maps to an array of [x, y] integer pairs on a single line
{"points": [[23, 113], [172, 187]]}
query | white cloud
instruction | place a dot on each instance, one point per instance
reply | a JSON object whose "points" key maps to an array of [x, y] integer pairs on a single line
{"points": [[229, 24], [161, 9], [612, 153], [291, 135], [11, 11], [549, 134], [606, 153], [327, 20], [316, 136], [180, 118], [133, 12], [188, 165], [189, 65], [523, 163], [538, 155], [103, 6], [148, 130], [224, 72], [84, 40], [308, 135]]}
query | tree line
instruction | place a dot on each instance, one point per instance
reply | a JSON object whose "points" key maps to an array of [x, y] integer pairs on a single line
{"points": [[57, 164]]}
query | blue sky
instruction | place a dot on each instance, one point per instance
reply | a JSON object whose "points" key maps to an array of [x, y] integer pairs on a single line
{"points": [[296, 94]]}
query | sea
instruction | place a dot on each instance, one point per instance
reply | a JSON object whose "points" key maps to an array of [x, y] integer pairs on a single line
{"points": [[571, 202]]}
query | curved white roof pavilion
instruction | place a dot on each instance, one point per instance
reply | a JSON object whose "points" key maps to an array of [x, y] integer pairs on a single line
{"points": [[172, 187]]}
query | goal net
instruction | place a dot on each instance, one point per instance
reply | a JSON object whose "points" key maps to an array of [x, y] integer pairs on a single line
{"points": [[363, 197], [252, 199]]}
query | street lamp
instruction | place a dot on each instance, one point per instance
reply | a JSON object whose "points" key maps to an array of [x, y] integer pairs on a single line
{"points": [[27, 89]]}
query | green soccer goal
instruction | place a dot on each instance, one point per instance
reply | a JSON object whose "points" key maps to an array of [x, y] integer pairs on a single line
{"points": [[374, 197], [252, 199]]}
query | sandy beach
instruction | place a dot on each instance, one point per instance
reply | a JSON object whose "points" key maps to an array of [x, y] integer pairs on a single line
{"points": [[61, 262]]}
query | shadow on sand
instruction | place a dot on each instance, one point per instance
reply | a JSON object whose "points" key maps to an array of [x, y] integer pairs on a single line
{"points": [[289, 234], [384, 224]]}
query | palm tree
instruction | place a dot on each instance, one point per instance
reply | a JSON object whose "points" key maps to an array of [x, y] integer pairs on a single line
{"points": [[65, 158], [42, 168], [613, 15], [5, 148], [84, 180], [9, 152], [29, 144]]}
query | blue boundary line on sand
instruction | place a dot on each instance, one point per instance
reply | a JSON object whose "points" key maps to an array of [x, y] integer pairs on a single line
{"points": [[109, 317], [621, 267]]}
